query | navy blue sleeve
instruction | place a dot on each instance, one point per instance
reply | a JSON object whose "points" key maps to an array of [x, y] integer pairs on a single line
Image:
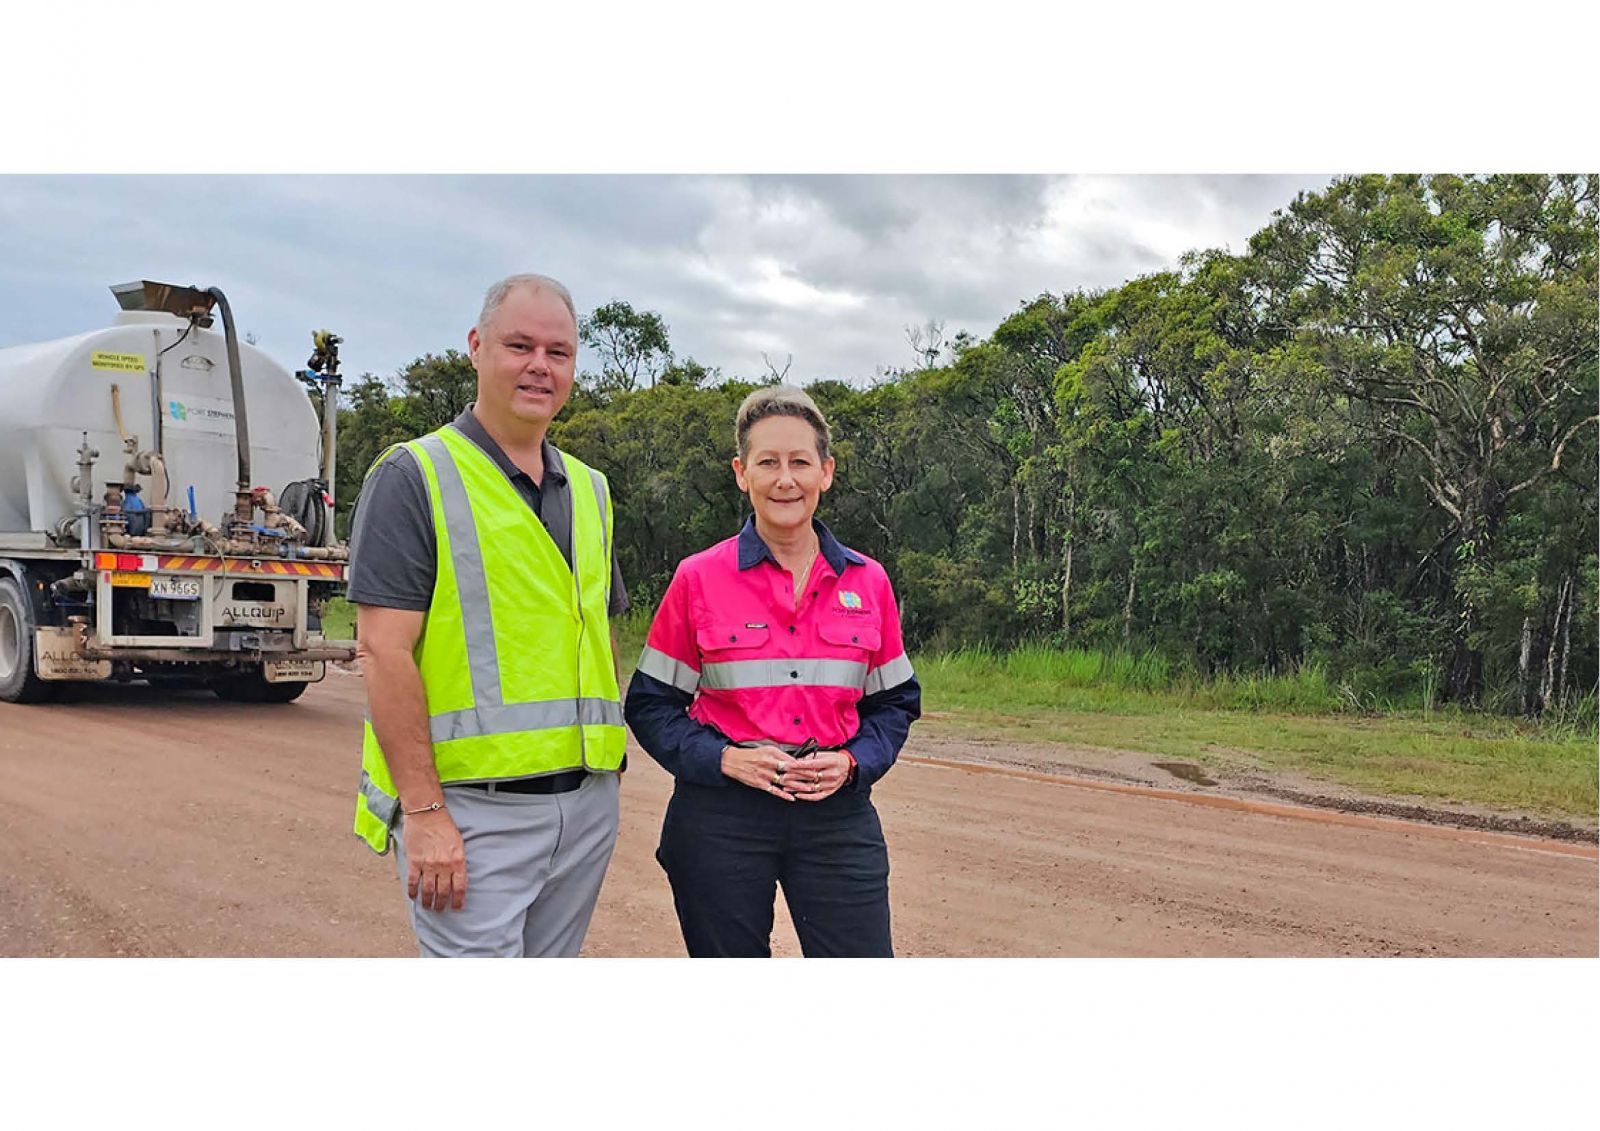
{"points": [[886, 719], [657, 713]]}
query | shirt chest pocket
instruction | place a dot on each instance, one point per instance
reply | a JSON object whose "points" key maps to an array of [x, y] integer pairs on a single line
{"points": [[860, 635], [725, 642]]}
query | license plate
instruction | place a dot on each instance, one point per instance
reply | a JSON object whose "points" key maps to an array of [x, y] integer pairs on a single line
{"points": [[176, 588], [292, 671], [125, 580]]}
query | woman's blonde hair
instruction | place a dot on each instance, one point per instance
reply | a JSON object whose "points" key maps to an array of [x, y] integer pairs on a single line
{"points": [[779, 400]]}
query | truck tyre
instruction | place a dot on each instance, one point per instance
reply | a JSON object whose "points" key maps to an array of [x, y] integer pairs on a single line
{"points": [[18, 683], [252, 687]]}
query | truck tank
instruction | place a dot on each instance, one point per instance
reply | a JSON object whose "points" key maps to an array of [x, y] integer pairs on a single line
{"points": [[174, 394]]}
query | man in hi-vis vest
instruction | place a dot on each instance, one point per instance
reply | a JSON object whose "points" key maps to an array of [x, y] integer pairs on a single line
{"points": [[482, 571]]}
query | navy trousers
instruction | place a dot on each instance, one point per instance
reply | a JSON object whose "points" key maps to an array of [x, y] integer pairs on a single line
{"points": [[726, 849]]}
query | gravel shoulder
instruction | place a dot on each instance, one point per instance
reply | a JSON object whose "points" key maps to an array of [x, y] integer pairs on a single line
{"points": [[1239, 777]]}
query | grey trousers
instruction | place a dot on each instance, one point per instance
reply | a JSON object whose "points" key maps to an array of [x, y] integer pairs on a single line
{"points": [[534, 867]]}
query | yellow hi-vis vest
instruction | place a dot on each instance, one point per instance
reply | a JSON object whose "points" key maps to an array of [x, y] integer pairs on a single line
{"points": [[515, 652]]}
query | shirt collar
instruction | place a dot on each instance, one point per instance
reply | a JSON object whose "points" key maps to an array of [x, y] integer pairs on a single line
{"points": [[752, 550], [472, 428]]}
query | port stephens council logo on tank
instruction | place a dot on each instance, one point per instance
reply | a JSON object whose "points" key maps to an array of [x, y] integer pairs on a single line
{"points": [[204, 413]]}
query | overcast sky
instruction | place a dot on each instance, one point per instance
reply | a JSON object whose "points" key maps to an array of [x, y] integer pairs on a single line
{"points": [[828, 269]]}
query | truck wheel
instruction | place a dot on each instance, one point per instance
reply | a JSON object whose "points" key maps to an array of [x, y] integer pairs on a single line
{"points": [[18, 683], [254, 688]]}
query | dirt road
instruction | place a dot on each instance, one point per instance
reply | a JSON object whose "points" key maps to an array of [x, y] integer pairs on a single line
{"points": [[142, 823]]}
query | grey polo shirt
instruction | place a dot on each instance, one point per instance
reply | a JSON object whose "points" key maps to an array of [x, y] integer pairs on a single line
{"points": [[393, 551]]}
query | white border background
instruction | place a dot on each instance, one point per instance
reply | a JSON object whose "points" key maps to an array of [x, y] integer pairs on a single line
{"points": [[824, 87]]}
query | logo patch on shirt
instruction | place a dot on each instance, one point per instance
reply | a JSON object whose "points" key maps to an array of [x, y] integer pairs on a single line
{"points": [[849, 599]]}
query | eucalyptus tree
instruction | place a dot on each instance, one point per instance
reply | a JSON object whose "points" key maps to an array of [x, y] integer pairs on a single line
{"points": [[1455, 318]]}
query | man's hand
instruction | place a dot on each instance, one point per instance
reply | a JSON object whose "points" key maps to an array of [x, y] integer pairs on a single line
{"points": [[760, 767], [436, 862]]}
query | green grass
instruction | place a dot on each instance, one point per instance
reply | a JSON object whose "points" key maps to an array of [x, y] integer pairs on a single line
{"points": [[1045, 677], [339, 620], [630, 632], [1299, 723]]}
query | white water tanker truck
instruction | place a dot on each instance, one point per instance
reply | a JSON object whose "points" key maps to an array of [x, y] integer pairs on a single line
{"points": [[135, 540]]}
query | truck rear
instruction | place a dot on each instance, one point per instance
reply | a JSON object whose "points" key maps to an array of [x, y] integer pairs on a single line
{"points": [[165, 507]]}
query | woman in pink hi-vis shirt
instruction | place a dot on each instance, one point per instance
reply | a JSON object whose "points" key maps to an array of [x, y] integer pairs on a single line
{"points": [[775, 688]]}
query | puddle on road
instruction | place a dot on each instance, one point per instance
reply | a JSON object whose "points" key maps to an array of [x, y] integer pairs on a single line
{"points": [[1185, 771]]}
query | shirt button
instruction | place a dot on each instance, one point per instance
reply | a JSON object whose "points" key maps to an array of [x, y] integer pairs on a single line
{"points": [[794, 675], [854, 639], [732, 638], [791, 630], [797, 722]]}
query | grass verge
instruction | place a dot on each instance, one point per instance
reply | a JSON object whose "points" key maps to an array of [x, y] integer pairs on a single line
{"points": [[1294, 724]]}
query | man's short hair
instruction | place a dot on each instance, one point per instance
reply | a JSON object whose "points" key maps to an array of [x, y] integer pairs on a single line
{"points": [[779, 400], [496, 295]]}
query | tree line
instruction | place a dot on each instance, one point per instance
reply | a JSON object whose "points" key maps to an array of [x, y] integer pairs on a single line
{"points": [[1368, 442]]}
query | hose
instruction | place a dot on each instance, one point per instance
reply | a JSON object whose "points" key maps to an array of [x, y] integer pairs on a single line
{"points": [[116, 411], [241, 427], [302, 501]]}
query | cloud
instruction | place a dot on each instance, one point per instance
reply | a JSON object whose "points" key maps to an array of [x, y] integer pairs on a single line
{"points": [[830, 269]]}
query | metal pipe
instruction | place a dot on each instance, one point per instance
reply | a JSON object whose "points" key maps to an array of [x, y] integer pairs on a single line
{"points": [[231, 548], [146, 542], [85, 481], [156, 423], [330, 451], [116, 411], [323, 553], [241, 426]]}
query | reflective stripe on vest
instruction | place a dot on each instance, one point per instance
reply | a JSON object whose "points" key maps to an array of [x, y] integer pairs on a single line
{"points": [[505, 718], [477, 622], [379, 803], [600, 497]]}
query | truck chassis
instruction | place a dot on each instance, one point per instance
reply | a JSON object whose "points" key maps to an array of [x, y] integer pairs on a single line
{"points": [[248, 628]]}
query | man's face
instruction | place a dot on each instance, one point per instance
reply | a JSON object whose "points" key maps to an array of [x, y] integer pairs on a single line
{"points": [[525, 357]]}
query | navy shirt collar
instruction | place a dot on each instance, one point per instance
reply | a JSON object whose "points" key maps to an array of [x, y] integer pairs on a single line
{"points": [[752, 550], [472, 428]]}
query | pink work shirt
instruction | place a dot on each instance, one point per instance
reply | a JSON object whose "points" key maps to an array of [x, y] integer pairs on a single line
{"points": [[763, 669]]}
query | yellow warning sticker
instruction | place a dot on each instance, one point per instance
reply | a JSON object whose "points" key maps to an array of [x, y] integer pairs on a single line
{"points": [[117, 362]]}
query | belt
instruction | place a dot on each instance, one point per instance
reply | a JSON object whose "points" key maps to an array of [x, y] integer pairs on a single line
{"points": [[564, 782]]}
